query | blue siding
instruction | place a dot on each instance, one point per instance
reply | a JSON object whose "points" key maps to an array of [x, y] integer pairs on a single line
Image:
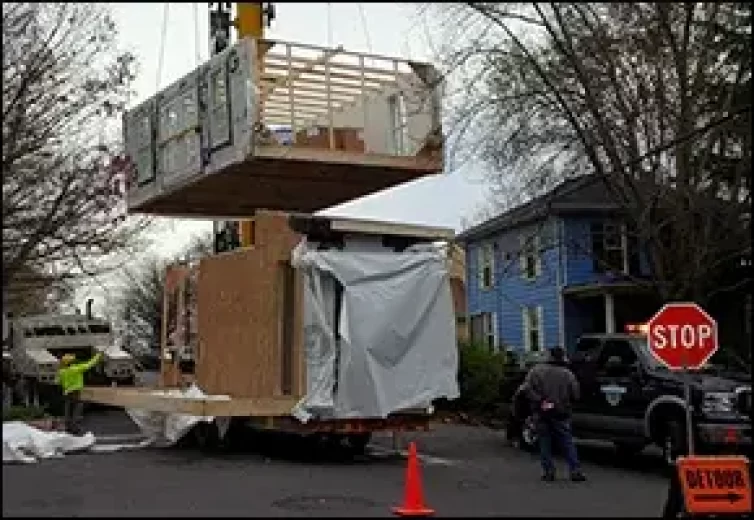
{"points": [[578, 247], [566, 261], [512, 293]]}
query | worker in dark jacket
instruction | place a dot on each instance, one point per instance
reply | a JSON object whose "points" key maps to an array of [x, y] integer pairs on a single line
{"points": [[71, 379], [552, 389]]}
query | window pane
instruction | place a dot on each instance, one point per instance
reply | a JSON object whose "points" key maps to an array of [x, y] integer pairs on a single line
{"points": [[533, 318], [534, 339], [618, 348], [587, 344], [531, 266], [477, 330], [613, 239], [614, 259]]}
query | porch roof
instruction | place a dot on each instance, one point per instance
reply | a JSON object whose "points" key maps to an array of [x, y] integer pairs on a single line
{"points": [[585, 290]]}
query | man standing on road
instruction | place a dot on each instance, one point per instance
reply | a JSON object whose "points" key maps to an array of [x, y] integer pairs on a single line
{"points": [[71, 378], [553, 388]]}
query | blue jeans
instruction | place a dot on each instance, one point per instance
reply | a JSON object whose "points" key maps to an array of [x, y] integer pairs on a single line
{"points": [[550, 429]]}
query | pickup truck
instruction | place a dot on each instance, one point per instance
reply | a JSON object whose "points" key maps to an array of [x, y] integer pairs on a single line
{"points": [[632, 400]]}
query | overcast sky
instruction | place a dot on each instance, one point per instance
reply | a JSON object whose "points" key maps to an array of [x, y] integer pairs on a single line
{"points": [[391, 29]]}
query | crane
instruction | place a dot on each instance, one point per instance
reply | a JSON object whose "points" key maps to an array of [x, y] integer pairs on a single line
{"points": [[251, 19]]}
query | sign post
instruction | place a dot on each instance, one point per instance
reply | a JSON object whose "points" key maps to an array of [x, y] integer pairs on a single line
{"points": [[683, 337]]}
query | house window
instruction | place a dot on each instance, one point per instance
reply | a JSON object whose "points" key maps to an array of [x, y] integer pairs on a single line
{"points": [[531, 262], [484, 329], [486, 266], [609, 247], [533, 333]]}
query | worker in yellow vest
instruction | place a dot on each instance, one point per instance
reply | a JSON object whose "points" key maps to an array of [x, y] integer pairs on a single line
{"points": [[71, 379]]}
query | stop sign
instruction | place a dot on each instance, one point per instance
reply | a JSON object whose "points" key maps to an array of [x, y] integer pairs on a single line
{"points": [[682, 335]]}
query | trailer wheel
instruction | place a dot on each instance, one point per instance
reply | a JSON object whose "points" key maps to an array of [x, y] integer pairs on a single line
{"points": [[206, 436], [357, 442]]}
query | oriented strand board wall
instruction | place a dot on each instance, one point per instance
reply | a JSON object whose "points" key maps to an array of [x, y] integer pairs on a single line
{"points": [[241, 316]]}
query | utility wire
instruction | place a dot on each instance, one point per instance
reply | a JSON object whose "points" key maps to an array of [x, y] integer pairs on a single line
{"points": [[163, 34]]}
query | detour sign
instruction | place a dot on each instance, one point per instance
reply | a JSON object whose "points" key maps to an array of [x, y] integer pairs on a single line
{"points": [[715, 484]]}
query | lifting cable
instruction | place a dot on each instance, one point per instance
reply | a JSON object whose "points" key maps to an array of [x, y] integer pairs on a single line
{"points": [[365, 27], [329, 25], [197, 52], [163, 34]]}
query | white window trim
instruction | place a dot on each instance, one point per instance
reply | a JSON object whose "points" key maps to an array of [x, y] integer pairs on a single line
{"points": [[623, 232], [536, 242], [486, 252], [527, 328]]}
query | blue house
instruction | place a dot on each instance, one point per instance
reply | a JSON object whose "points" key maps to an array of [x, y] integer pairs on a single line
{"points": [[559, 266]]}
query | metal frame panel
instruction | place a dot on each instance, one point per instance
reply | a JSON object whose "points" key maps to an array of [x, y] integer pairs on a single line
{"points": [[179, 142]]}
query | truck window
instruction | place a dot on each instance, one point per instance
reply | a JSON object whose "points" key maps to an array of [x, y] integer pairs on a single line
{"points": [[620, 348], [586, 349]]}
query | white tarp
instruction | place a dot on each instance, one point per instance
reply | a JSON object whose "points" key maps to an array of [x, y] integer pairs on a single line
{"points": [[25, 444], [166, 429], [397, 339]]}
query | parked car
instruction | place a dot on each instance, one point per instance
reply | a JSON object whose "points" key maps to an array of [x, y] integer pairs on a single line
{"points": [[632, 400]]}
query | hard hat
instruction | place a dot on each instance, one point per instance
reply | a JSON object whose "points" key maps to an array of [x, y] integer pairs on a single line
{"points": [[67, 359]]}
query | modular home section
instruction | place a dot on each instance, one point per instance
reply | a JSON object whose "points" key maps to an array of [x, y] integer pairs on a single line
{"points": [[282, 126]]}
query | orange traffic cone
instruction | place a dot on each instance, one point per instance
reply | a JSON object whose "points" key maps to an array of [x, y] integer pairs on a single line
{"points": [[413, 499]]}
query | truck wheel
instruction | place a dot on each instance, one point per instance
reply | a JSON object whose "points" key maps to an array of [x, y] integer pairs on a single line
{"points": [[529, 438], [673, 440]]}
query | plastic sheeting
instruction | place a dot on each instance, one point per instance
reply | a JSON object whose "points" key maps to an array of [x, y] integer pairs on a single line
{"points": [[25, 444], [391, 345], [166, 429]]}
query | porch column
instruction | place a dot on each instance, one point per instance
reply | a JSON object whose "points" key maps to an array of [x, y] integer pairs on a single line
{"points": [[609, 313]]}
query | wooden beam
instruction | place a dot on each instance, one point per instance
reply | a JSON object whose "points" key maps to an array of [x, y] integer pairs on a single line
{"points": [[335, 65], [269, 44], [292, 73], [307, 95], [157, 400], [298, 71], [316, 103], [334, 85], [359, 160]]}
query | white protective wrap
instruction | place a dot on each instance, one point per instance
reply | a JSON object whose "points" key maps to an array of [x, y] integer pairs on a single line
{"points": [[166, 429], [397, 348], [25, 444]]}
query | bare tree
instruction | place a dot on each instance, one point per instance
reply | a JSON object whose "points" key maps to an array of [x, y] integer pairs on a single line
{"points": [[143, 286], [34, 292], [652, 97], [63, 195]]}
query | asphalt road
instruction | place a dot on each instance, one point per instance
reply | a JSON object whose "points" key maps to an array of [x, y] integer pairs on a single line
{"points": [[465, 470]]}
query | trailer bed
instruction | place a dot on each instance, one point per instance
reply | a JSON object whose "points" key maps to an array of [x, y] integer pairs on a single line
{"points": [[159, 400], [262, 412]]}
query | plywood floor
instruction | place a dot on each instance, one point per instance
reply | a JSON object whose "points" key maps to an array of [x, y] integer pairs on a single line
{"points": [[290, 179]]}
